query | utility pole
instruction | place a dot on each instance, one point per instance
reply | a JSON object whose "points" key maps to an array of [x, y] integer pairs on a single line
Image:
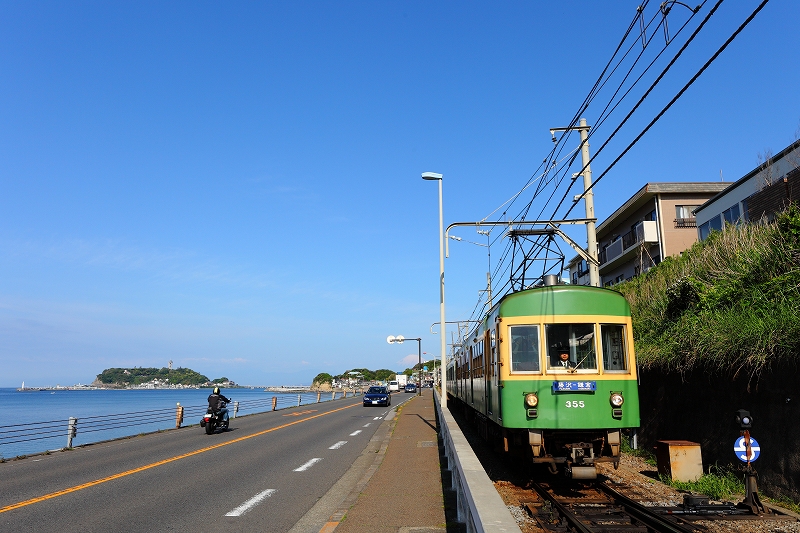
{"points": [[588, 200]]}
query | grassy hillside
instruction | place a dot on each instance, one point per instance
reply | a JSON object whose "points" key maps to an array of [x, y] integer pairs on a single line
{"points": [[731, 303]]}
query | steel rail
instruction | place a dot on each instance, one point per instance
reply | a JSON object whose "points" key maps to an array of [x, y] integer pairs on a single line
{"points": [[571, 517], [645, 515]]}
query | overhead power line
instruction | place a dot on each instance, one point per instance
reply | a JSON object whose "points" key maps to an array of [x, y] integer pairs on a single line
{"points": [[677, 96]]}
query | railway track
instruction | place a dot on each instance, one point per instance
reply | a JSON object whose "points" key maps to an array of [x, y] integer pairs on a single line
{"points": [[566, 506], [597, 508]]}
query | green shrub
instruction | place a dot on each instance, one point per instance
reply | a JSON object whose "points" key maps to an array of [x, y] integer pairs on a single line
{"points": [[720, 484], [728, 303]]}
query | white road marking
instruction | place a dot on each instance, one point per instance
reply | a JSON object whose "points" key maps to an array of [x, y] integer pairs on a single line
{"points": [[338, 445], [353, 434], [366, 425], [252, 502], [308, 465], [377, 418]]}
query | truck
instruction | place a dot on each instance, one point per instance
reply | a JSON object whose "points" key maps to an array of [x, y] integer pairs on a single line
{"points": [[402, 381]]}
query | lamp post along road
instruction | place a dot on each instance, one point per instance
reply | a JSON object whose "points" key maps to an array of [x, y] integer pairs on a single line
{"points": [[433, 176], [391, 339]]}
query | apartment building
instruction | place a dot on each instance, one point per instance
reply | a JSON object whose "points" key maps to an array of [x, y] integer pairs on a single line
{"points": [[761, 193], [656, 222]]}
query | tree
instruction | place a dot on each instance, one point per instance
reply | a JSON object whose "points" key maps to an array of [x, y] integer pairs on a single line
{"points": [[322, 377]]}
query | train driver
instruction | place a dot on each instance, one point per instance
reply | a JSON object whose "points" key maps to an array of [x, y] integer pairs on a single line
{"points": [[564, 362]]}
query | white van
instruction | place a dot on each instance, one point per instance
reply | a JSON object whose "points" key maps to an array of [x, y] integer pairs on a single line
{"points": [[394, 386]]}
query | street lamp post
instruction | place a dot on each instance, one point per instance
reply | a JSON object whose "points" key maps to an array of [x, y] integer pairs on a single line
{"points": [[391, 339], [433, 176]]}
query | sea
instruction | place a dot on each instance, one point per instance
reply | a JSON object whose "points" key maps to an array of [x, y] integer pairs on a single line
{"points": [[37, 421]]}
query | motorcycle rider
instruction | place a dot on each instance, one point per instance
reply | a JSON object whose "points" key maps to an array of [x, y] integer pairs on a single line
{"points": [[217, 402]]}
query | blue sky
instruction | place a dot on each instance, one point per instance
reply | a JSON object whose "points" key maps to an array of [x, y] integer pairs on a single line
{"points": [[236, 186]]}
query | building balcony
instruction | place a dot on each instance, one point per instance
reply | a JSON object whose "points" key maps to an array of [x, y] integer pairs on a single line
{"points": [[625, 247], [686, 222]]}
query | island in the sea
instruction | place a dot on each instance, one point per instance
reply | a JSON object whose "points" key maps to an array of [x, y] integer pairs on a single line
{"points": [[156, 378]]}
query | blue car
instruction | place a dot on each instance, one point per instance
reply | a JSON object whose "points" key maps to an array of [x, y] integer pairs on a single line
{"points": [[411, 387], [377, 396]]}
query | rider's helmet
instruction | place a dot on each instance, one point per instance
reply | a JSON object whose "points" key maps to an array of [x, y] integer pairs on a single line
{"points": [[216, 390]]}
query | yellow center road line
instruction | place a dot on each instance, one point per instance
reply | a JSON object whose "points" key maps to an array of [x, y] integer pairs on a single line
{"points": [[158, 463], [299, 413]]}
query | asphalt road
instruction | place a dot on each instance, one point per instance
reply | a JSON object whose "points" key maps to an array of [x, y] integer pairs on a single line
{"points": [[264, 474]]}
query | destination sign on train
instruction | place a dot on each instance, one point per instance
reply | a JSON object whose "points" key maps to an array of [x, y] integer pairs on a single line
{"points": [[574, 386]]}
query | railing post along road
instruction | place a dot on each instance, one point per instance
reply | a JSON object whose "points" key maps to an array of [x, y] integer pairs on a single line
{"points": [[72, 430], [178, 416]]}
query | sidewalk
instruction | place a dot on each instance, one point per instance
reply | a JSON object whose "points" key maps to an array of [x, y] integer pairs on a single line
{"points": [[402, 492]]}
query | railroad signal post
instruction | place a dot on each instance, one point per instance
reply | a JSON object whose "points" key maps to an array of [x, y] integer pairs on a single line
{"points": [[747, 450]]}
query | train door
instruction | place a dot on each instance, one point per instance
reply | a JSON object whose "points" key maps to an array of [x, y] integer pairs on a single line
{"points": [[495, 350], [488, 361]]}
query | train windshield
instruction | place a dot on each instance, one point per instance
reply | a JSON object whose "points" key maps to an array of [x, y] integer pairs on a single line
{"points": [[613, 340], [524, 348], [576, 340]]}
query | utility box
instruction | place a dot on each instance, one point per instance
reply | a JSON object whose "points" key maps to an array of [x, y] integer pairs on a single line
{"points": [[679, 459]]}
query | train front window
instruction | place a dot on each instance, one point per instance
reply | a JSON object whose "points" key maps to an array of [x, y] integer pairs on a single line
{"points": [[524, 348], [613, 339], [576, 340]]}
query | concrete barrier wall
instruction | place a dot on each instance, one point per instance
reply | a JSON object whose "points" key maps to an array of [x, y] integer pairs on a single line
{"points": [[480, 507]]}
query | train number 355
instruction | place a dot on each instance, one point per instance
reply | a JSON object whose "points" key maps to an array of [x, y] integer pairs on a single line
{"points": [[574, 404]]}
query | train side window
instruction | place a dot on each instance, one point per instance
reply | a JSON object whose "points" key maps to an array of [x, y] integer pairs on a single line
{"points": [[613, 339], [575, 339], [524, 348]]}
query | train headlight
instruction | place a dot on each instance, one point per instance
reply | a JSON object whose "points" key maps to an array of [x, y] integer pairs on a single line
{"points": [[531, 400], [616, 399]]}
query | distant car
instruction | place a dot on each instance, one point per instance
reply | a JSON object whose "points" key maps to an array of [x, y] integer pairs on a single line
{"points": [[411, 387], [394, 386], [377, 396]]}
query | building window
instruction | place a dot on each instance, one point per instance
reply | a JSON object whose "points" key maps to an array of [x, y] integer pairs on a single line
{"points": [[651, 215], [684, 216], [713, 224], [704, 230], [731, 215]]}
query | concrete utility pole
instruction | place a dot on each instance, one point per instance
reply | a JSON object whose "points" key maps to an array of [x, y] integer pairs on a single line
{"points": [[588, 200]]}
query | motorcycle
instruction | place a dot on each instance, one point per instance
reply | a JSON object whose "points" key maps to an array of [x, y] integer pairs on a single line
{"points": [[215, 419]]}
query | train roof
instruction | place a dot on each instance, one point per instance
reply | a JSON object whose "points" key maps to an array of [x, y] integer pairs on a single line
{"points": [[564, 300]]}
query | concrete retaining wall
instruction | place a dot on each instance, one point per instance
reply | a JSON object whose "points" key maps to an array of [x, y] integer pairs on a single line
{"points": [[480, 507], [700, 407]]}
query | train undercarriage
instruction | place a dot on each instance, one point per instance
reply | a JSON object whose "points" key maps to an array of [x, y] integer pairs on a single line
{"points": [[576, 453]]}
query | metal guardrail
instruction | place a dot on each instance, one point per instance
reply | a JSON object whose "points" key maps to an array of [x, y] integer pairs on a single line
{"points": [[40, 431]]}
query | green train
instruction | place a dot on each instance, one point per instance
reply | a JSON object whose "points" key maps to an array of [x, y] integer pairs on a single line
{"points": [[551, 371]]}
